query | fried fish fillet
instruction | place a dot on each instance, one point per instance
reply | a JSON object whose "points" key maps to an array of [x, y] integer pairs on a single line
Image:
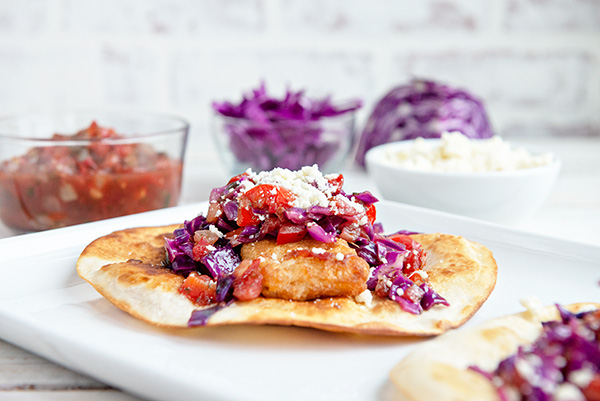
{"points": [[308, 269]]}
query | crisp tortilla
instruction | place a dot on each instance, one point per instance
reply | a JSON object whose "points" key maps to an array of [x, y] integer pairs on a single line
{"points": [[438, 370], [126, 268]]}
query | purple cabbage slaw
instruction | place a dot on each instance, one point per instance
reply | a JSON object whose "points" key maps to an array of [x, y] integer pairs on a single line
{"points": [[566, 349], [384, 256], [387, 259], [425, 109], [265, 132]]}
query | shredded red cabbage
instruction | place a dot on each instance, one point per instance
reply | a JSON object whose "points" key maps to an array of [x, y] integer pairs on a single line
{"points": [[423, 109], [389, 278], [265, 132], [565, 357], [200, 316]]}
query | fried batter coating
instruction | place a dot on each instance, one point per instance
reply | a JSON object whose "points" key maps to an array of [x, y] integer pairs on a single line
{"points": [[308, 269]]}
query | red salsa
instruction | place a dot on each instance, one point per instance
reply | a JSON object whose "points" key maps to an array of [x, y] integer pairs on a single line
{"points": [[61, 185]]}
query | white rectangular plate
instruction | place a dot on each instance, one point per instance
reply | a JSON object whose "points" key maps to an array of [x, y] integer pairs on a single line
{"points": [[46, 308]]}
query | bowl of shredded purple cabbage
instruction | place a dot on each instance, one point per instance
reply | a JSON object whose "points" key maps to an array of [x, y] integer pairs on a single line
{"points": [[263, 132]]}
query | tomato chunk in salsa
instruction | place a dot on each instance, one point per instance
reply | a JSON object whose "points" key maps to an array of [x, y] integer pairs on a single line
{"points": [[65, 184]]}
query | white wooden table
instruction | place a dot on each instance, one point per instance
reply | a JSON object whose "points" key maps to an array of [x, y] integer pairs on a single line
{"points": [[572, 211]]}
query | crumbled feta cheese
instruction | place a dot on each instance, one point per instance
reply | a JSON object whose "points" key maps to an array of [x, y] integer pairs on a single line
{"points": [[318, 251], [568, 392], [213, 229], [308, 184], [296, 249], [458, 153], [246, 185], [274, 256], [365, 298], [339, 256], [581, 377], [511, 393], [497, 381], [525, 369]]}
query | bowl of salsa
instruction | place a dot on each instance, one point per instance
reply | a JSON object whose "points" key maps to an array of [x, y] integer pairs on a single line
{"points": [[66, 168]]}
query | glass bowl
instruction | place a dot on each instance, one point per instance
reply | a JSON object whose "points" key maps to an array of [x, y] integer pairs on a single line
{"points": [[65, 168], [290, 144]]}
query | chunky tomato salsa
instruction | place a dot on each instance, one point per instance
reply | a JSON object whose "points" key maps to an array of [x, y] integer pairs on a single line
{"points": [[61, 185]]}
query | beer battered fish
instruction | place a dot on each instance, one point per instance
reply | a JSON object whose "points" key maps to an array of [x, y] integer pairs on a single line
{"points": [[308, 269]]}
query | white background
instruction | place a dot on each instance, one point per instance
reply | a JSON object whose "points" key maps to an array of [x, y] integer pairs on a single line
{"points": [[536, 64]]}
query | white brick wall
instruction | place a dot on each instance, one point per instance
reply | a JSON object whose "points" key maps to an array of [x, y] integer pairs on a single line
{"points": [[536, 63]]}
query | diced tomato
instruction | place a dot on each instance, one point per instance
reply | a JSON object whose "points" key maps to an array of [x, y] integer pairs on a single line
{"points": [[57, 216], [242, 267], [199, 288], [206, 236], [415, 258], [96, 131], [246, 216], [344, 208], [414, 277], [592, 391], [371, 213], [232, 234], [237, 177], [289, 232], [271, 197], [204, 239], [247, 283], [199, 251], [336, 183], [381, 288]]}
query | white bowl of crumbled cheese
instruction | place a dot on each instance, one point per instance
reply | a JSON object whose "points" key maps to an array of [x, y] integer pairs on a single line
{"points": [[490, 179]]}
